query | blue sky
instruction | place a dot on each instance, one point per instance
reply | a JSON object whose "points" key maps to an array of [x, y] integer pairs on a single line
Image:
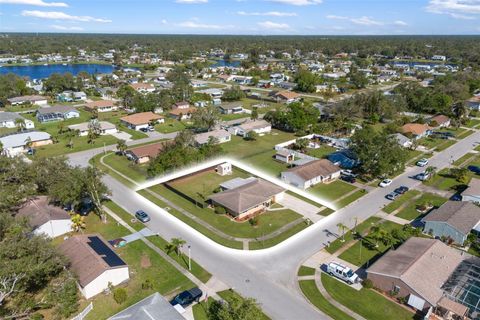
{"points": [[264, 17]]}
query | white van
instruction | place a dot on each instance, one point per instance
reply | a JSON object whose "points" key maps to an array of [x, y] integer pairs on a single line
{"points": [[342, 272]]}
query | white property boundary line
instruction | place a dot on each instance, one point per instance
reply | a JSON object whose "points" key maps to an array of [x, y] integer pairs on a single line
{"points": [[242, 166]]}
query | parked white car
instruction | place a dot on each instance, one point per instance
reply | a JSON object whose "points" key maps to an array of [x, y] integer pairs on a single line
{"points": [[342, 272], [385, 183], [422, 162]]}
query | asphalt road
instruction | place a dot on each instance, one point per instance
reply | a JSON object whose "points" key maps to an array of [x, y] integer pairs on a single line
{"points": [[270, 275]]}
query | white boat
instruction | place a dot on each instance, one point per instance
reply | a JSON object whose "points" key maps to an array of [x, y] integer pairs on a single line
{"points": [[45, 64], [64, 64]]}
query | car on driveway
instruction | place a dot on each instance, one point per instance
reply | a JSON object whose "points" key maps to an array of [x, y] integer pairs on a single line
{"points": [[401, 190], [422, 176], [474, 169], [142, 216], [392, 196], [422, 162], [350, 179], [186, 297], [385, 183], [456, 197]]}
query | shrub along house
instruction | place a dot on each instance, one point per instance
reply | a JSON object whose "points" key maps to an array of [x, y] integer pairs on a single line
{"points": [[244, 198], [95, 263], [311, 173]]}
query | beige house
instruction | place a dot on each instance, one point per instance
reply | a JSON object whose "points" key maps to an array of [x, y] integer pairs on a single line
{"points": [[141, 120], [101, 106], [144, 154], [311, 173], [244, 198]]}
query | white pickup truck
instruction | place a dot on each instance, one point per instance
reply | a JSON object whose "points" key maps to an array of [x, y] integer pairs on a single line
{"points": [[342, 272]]}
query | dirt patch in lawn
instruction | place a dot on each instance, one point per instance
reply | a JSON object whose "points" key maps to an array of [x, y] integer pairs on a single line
{"points": [[145, 262]]}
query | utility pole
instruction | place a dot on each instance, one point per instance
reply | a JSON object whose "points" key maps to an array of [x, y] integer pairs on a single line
{"points": [[189, 258]]}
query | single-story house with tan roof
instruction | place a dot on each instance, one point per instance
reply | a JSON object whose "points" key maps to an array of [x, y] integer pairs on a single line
{"points": [[182, 113], [417, 270], [104, 128], [258, 126], [247, 197], [101, 106], [454, 220], [95, 263], [45, 218], [417, 130], [220, 136], [144, 154], [287, 96], [33, 99], [141, 120], [440, 121], [143, 87], [311, 173]]}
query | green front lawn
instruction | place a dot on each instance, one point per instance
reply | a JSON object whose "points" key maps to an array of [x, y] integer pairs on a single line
{"points": [[79, 144], [170, 125], [230, 293], [144, 264], [234, 116], [410, 212], [311, 292], [464, 159], [200, 310], [331, 191], [366, 302], [364, 250], [444, 181], [305, 271], [398, 202], [351, 198], [136, 172], [472, 123], [268, 222], [257, 245], [350, 236], [182, 259]]}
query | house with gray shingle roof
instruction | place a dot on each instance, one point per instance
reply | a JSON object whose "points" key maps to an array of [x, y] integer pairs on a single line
{"points": [[311, 173], [454, 220], [8, 120]]}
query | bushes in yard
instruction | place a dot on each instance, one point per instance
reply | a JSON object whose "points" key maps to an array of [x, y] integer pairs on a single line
{"points": [[220, 210], [120, 295]]}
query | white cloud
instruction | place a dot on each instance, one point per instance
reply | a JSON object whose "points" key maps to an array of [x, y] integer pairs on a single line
{"points": [[197, 25], [64, 28], [454, 6], [191, 1], [461, 16], [61, 16], [269, 25], [298, 2], [269, 13], [39, 3], [335, 17], [400, 23], [366, 21], [164, 21]]}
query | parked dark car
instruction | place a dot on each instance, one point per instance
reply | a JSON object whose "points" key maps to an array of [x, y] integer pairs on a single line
{"points": [[31, 151], [401, 190], [144, 129], [186, 297], [350, 179], [456, 197], [474, 169], [142, 216]]}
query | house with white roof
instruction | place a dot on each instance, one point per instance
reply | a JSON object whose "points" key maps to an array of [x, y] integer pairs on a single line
{"points": [[16, 144], [8, 120]]}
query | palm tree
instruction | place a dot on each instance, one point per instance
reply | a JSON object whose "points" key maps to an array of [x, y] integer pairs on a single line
{"points": [[431, 171], [121, 146], [342, 228], [20, 124], [377, 234], [78, 222], [460, 111], [175, 245]]}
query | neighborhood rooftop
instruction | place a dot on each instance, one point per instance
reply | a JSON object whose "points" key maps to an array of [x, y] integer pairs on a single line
{"points": [[39, 211], [312, 169], [463, 216]]}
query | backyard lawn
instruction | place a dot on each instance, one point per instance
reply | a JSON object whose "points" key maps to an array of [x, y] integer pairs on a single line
{"points": [[170, 125], [410, 211], [363, 251], [164, 277], [321, 152], [311, 292], [366, 302], [331, 191]]}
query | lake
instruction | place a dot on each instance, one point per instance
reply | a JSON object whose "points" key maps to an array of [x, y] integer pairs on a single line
{"points": [[225, 63], [42, 71]]}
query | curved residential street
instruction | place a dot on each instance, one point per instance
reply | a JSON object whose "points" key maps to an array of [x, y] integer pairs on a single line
{"points": [[270, 275]]}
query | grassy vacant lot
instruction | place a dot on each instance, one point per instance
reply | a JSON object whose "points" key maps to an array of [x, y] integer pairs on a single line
{"points": [[332, 191], [360, 256], [404, 198], [366, 302], [136, 172], [170, 125], [349, 236], [410, 212], [437, 144], [268, 221], [164, 277], [203, 184], [305, 271], [182, 259], [311, 292]]}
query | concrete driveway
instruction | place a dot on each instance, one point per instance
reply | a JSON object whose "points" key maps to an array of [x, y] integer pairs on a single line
{"points": [[122, 135], [302, 207]]}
